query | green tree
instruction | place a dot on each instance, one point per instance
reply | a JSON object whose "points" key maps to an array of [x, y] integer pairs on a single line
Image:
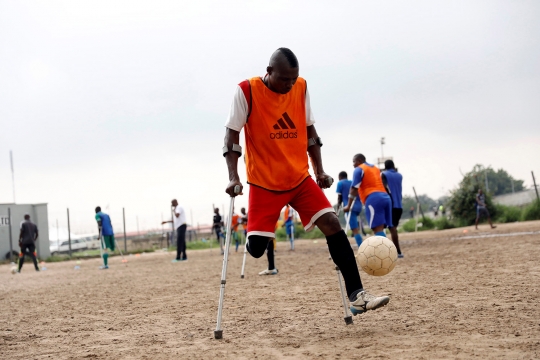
{"points": [[499, 182], [462, 202]]}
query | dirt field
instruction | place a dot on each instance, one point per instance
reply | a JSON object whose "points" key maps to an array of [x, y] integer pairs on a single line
{"points": [[452, 296]]}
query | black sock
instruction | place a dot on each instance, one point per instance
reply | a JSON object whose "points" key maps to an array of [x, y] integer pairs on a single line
{"points": [[343, 256], [270, 255]]}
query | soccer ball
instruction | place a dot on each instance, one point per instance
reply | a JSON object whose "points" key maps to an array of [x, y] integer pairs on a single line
{"points": [[377, 255], [13, 270]]}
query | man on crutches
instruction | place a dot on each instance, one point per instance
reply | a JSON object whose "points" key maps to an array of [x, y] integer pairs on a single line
{"points": [[106, 236], [275, 113]]}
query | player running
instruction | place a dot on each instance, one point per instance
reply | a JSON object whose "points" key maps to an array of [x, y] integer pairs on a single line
{"points": [[343, 188], [107, 235], [27, 242], [481, 209], [392, 181], [288, 223], [368, 184], [275, 113]]}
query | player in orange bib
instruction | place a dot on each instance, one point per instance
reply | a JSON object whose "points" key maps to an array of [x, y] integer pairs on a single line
{"points": [[367, 183], [275, 113]]}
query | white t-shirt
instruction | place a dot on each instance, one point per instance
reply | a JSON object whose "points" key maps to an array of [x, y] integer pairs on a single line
{"points": [[239, 110], [179, 220]]}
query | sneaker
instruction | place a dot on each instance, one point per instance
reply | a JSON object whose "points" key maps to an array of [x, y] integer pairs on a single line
{"points": [[400, 256], [103, 267], [183, 259], [269, 272], [176, 260], [365, 302]]}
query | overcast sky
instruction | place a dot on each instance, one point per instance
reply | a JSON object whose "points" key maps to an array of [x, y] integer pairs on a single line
{"points": [[123, 103]]}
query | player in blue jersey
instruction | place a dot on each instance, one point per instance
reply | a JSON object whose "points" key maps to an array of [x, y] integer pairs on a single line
{"points": [[392, 181], [368, 184], [343, 188], [107, 234]]}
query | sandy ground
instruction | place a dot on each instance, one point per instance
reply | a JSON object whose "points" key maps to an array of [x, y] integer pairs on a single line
{"points": [[455, 295]]}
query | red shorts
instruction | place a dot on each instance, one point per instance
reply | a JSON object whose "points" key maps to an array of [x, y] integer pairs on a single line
{"points": [[265, 207]]}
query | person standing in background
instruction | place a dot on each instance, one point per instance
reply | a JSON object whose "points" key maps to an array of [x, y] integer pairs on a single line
{"points": [[27, 242], [180, 226], [218, 225], [392, 181]]}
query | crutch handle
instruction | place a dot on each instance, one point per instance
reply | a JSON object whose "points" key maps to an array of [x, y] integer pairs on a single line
{"points": [[237, 189], [329, 181]]}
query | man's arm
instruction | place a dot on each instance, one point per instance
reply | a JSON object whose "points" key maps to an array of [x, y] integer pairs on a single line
{"points": [[385, 183], [316, 159], [36, 235], [232, 137], [358, 175]]}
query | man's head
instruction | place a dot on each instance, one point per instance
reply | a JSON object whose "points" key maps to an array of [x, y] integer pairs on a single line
{"points": [[480, 191], [282, 71], [389, 165], [216, 211], [358, 159], [26, 217], [342, 175], [98, 209], [174, 202], [243, 211]]}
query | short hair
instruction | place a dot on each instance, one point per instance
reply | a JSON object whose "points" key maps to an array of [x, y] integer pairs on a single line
{"points": [[343, 175], [26, 216], [289, 55], [389, 164], [359, 157], [98, 209]]}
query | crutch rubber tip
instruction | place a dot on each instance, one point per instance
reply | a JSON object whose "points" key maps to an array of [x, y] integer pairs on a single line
{"points": [[348, 320], [218, 334], [241, 276]]}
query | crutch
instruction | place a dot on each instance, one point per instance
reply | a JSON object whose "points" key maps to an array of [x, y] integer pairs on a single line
{"points": [[347, 225], [244, 260], [121, 254], [292, 234], [337, 214], [218, 333], [101, 247]]}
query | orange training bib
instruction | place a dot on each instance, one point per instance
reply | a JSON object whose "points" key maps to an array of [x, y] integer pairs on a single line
{"points": [[371, 182], [276, 137]]}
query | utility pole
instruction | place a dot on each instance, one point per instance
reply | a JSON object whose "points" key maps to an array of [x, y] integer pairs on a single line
{"points": [[535, 187], [485, 175], [12, 173], [10, 237], [418, 202], [69, 233], [124, 220]]}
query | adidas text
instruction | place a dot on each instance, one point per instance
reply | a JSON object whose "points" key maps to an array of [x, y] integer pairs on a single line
{"points": [[284, 135]]}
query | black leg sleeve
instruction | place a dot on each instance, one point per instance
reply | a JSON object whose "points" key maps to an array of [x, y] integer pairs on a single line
{"points": [[343, 256], [270, 255], [21, 259], [256, 245]]}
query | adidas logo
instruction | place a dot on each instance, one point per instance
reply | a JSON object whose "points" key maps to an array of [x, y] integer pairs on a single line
{"points": [[284, 123]]}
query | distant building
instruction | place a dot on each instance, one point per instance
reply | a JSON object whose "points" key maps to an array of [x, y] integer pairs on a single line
{"points": [[38, 215]]}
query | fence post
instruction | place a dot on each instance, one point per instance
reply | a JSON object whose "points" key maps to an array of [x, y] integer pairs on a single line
{"points": [[124, 220], [69, 233], [535, 187], [10, 237]]}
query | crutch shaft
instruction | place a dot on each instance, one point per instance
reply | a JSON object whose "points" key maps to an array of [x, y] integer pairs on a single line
{"points": [[346, 317], [218, 333]]}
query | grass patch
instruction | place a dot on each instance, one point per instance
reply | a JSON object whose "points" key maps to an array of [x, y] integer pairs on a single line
{"points": [[90, 254], [532, 211]]}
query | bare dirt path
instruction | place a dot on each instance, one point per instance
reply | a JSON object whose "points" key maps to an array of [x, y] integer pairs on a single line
{"points": [[452, 296]]}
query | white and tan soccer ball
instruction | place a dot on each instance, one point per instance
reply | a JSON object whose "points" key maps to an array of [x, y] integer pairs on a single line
{"points": [[377, 255], [13, 270]]}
